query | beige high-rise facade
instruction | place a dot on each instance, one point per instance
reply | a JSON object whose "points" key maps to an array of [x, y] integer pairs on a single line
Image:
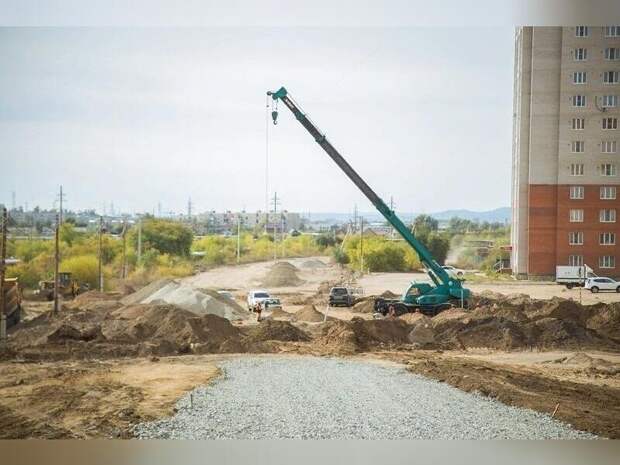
{"points": [[566, 158]]}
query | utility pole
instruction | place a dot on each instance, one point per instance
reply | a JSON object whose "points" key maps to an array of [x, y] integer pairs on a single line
{"points": [[139, 241], [238, 238], [392, 210], [101, 254], [56, 264], [60, 199], [355, 219], [362, 244], [124, 262], [5, 218], [282, 232]]}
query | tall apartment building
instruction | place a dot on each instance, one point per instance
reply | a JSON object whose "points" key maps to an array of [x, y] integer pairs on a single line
{"points": [[566, 159]]}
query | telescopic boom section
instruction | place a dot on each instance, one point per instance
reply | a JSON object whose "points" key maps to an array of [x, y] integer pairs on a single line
{"points": [[436, 271]]}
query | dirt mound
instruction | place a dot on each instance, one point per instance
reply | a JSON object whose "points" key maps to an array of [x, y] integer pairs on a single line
{"points": [[411, 318], [309, 313], [338, 337], [313, 264], [94, 300], [279, 313], [365, 306], [360, 335], [389, 295], [282, 274], [605, 319], [271, 330]]}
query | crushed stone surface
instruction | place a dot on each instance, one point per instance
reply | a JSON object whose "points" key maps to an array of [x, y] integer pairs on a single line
{"points": [[323, 398]]}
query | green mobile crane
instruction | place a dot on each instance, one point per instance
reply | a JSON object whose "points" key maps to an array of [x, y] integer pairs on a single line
{"points": [[445, 292]]}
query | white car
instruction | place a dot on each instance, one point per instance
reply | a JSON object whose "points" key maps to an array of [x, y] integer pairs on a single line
{"points": [[454, 272], [257, 296], [602, 284]]}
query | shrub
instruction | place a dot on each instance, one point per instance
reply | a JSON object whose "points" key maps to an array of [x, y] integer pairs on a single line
{"points": [[84, 268]]}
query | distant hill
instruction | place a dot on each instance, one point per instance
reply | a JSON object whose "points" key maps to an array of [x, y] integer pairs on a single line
{"points": [[502, 214]]}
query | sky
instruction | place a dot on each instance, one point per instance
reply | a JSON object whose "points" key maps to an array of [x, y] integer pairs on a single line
{"points": [[137, 116]]}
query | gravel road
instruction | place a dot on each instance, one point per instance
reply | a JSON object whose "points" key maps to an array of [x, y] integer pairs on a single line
{"points": [[322, 398]]}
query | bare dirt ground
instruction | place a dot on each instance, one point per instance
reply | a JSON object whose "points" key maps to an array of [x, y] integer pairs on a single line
{"points": [[100, 367], [94, 399]]}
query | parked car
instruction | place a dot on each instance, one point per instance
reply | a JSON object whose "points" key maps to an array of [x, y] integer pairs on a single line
{"points": [[341, 296], [273, 304], [257, 296], [454, 272], [602, 284]]}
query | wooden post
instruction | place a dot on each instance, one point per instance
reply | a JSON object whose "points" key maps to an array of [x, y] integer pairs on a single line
{"points": [[362, 245], [5, 219], [139, 241], [124, 261], [56, 264], [101, 254], [238, 238]]}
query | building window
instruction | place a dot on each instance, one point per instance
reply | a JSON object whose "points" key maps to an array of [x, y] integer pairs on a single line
{"points": [[575, 260], [612, 53], [608, 169], [576, 169], [578, 123], [610, 101], [608, 146], [580, 77], [610, 123], [612, 31], [607, 238], [576, 215], [578, 100], [582, 31], [576, 192], [607, 215], [607, 261], [575, 238], [608, 192], [610, 77], [580, 54], [578, 146]]}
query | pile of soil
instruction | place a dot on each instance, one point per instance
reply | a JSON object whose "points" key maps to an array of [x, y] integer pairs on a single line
{"points": [[357, 335], [367, 305], [142, 329], [519, 322], [389, 295], [93, 301], [279, 313], [310, 314], [271, 330], [282, 274], [145, 292]]}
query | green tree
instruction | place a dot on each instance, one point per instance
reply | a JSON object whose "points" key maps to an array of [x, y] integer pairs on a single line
{"points": [[167, 237], [424, 225]]}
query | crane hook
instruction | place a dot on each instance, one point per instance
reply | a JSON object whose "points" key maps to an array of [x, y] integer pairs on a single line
{"points": [[274, 116]]}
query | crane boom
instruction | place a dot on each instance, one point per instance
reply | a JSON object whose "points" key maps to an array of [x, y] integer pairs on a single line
{"points": [[436, 272]]}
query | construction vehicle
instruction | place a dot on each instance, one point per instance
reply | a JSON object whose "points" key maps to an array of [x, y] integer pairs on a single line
{"points": [[446, 291], [12, 302], [67, 286]]}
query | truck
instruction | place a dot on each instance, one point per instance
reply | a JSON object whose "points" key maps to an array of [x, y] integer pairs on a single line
{"points": [[12, 301], [573, 276], [444, 291]]}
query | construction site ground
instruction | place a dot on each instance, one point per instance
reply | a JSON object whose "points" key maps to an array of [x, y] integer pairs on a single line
{"points": [[103, 366]]}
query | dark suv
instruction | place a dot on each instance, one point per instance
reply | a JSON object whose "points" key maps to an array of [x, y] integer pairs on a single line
{"points": [[340, 296]]}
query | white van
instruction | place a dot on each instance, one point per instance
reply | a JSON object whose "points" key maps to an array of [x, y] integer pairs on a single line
{"points": [[257, 296]]}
